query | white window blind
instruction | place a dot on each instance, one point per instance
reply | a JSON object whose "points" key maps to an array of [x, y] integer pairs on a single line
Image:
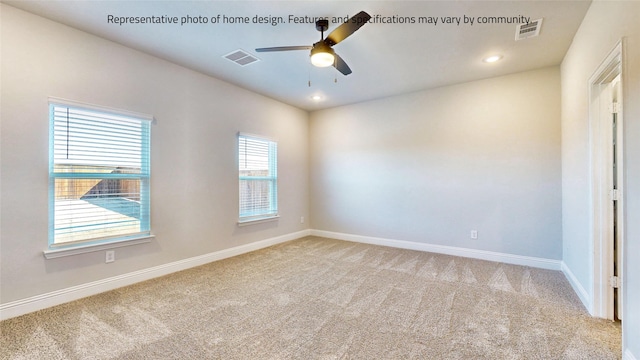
{"points": [[257, 164], [99, 175]]}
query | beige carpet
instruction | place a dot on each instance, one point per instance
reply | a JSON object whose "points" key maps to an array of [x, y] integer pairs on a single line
{"points": [[325, 299]]}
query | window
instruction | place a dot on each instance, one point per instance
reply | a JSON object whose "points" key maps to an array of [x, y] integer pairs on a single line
{"points": [[257, 164], [98, 175]]}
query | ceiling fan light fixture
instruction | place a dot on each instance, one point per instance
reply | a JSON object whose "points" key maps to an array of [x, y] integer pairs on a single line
{"points": [[322, 55]]}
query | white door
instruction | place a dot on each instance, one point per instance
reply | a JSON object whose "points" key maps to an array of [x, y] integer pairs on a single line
{"points": [[605, 133], [616, 198]]}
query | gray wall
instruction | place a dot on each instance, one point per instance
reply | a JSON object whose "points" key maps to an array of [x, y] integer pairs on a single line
{"points": [[194, 191], [430, 166], [604, 25]]}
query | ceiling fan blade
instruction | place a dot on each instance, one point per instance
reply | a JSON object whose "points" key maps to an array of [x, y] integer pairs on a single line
{"points": [[345, 30], [284, 48], [341, 65]]}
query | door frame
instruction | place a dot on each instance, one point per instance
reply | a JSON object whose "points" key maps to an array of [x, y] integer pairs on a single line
{"points": [[600, 144]]}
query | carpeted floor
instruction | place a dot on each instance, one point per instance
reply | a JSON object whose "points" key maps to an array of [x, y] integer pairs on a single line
{"points": [[317, 298]]}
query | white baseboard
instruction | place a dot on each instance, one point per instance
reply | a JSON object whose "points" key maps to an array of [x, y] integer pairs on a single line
{"points": [[628, 355], [448, 250], [39, 302], [578, 288]]}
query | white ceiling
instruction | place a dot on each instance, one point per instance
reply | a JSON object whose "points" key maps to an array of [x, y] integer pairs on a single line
{"points": [[386, 59]]}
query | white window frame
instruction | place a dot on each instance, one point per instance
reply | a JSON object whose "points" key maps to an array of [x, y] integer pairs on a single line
{"points": [[143, 233], [271, 213]]}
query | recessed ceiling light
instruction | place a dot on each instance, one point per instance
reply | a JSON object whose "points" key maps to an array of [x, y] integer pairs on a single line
{"points": [[492, 59], [316, 98]]}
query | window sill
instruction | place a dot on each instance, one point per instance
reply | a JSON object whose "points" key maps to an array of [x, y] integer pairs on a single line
{"points": [[83, 249], [247, 222]]}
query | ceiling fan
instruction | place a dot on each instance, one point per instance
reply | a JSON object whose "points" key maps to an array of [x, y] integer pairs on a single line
{"points": [[322, 54]]}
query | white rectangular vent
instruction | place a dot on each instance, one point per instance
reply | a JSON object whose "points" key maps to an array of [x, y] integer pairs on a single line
{"points": [[528, 30], [241, 57]]}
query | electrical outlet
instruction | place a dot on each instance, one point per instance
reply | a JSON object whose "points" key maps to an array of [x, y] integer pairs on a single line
{"points": [[301, 219], [474, 234], [110, 257]]}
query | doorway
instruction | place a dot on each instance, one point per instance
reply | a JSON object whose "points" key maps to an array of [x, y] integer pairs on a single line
{"points": [[606, 152]]}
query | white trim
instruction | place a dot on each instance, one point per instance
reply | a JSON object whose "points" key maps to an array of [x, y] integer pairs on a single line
{"points": [[42, 301], [82, 249], [628, 355], [542, 263], [253, 221], [256, 137], [600, 154], [127, 113], [578, 288]]}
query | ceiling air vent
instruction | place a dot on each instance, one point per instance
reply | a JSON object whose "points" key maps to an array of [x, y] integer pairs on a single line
{"points": [[241, 57], [528, 30]]}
